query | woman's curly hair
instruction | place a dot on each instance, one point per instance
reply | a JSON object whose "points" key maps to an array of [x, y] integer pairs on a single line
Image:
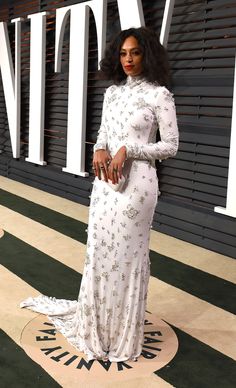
{"points": [[155, 60]]}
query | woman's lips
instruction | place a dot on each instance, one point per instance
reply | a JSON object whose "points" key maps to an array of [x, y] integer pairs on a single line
{"points": [[129, 67]]}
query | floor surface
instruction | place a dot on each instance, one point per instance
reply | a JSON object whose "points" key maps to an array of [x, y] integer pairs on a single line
{"points": [[191, 290]]}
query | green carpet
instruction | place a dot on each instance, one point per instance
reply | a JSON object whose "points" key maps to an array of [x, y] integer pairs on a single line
{"points": [[17, 370], [42, 272], [197, 365], [203, 285]]}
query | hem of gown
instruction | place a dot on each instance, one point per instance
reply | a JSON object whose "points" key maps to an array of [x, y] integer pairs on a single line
{"points": [[89, 355]]}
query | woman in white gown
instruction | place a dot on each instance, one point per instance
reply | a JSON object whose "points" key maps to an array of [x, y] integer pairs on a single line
{"points": [[107, 321]]}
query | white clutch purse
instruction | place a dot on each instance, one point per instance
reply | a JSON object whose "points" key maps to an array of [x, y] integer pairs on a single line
{"points": [[117, 186]]}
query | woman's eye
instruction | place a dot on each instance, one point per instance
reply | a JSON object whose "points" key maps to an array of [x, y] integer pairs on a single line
{"points": [[122, 54]]}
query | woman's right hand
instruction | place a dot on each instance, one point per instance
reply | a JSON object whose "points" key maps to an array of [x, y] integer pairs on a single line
{"points": [[101, 160]]}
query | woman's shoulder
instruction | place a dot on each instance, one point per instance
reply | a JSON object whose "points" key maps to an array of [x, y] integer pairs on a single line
{"points": [[159, 92], [157, 89], [111, 89], [114, 87]]}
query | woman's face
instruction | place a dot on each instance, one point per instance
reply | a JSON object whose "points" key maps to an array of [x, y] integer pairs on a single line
{"points": [[131, 57]]}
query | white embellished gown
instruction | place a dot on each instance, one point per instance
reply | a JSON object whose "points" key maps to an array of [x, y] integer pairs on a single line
{"points": [[107, 320]]}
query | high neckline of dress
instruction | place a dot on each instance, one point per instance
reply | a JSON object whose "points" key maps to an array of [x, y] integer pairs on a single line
{"points": [[134, 80]]}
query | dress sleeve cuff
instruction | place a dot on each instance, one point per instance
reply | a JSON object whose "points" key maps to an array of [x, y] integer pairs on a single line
{"points": [[99, 146], [131, 151]]}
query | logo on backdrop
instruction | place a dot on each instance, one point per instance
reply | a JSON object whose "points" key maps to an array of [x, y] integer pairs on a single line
{"points": [[45, 345], [131, 14]]}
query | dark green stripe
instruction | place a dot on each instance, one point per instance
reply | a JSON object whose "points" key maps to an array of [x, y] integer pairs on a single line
{"points": [[197, 365], [210, 288], [205, 286], [42, 272], [57, 221], [18, 370]]}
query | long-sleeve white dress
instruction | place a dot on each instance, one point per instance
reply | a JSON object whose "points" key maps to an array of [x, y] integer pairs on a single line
{"points": [[107, 320]]}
